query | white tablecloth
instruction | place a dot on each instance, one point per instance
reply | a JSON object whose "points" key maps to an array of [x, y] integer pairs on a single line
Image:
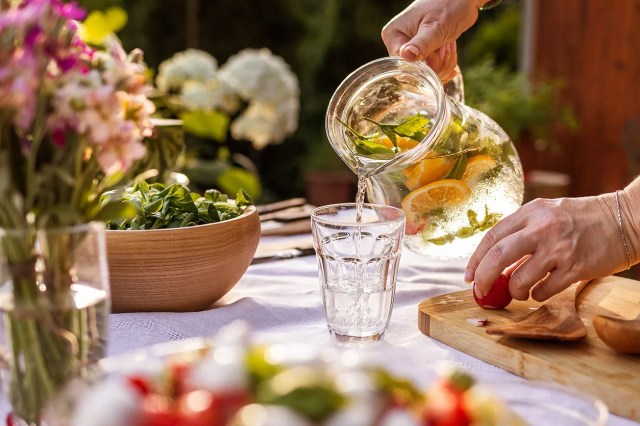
{"points": [[281, 302]]}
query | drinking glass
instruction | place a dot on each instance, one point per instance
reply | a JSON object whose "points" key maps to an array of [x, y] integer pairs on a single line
{"points": [[358, 265]]}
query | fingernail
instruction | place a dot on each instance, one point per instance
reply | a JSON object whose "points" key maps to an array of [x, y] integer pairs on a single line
{"points": [[479, 293], [414, 51], [468, 276], [442, 52]]}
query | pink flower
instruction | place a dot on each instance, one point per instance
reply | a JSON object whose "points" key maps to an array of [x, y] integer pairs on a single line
{"points": [[66, 10], [32, 37], [119, 155], [58, 138], [18, 87]]}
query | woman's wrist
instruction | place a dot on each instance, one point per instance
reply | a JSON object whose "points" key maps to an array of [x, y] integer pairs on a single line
{"points": [[612, 230]]}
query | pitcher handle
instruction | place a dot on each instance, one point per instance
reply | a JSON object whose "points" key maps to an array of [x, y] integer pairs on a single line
{"points": [[455, 87]]}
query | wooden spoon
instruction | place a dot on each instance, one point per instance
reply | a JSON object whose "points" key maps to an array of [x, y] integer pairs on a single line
{"points": [[619, 334], [557, 319]]}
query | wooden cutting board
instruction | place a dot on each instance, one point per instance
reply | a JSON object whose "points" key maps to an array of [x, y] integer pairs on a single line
{"points": [[588, 366]]}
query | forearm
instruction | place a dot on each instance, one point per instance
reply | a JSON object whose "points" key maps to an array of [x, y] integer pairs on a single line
{"points": [[630, 212]]}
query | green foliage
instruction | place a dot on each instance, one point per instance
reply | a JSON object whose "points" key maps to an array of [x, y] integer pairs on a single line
{"points": [[403, 390], [493, 85], [303, 390], [495, 37], [164, 149], [206, 124], [237, 177], [223, 174], [516, 105], [160, 206]]}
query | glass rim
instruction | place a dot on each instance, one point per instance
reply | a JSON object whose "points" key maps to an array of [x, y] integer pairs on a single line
{"points": [[93, 225], [370, 206], [355, 81]]}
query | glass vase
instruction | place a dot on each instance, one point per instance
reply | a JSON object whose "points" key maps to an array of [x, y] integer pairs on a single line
{"points": [[54, 305]]}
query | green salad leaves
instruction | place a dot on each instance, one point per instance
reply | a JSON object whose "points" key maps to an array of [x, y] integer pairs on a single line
{"points": [[157, 206]]}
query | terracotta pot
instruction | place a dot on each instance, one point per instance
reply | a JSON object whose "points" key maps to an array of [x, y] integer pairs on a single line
{"points": [[330, 187]]}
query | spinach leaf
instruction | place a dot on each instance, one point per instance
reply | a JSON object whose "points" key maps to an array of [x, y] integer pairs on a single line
{"points": [[160, 206]]}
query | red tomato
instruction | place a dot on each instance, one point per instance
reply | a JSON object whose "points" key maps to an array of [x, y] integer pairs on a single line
{"points": [[499, 296], [139, 384], [179, 373], [158, 410], [445, 406], [204, 408]]}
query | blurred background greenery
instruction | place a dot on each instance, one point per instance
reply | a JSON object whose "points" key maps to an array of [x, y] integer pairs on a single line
{"points": [[323, 41]]}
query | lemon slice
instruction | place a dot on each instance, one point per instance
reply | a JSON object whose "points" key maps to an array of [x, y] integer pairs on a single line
{"points": [[476, 167], [439, 194], [427, 171], [404, 143]]}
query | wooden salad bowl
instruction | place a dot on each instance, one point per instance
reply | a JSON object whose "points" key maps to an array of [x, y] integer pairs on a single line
{"points": [[180, 269]]}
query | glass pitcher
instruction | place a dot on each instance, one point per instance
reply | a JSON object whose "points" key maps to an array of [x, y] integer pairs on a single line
{"points": [[451, 168]]}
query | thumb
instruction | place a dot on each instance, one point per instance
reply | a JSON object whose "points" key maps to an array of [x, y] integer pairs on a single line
{"points": [[426, 41]]}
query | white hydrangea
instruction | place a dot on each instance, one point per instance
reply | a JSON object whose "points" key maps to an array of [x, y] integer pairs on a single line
{"points": [[263, 123], [192, 64], [258, 74], [257, 78], [271, 88], [214, 94]]}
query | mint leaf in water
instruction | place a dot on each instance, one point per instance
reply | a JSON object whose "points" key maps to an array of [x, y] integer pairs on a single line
{"points": [[415, 127], [475, 226], [458, 168], [372, 149], [367, 146], [412, 127]]}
